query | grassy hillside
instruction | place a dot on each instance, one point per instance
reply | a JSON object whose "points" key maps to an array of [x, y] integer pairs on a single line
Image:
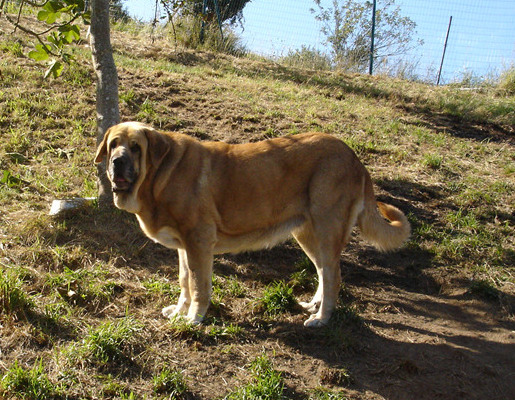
{"points": [[80, 294]]}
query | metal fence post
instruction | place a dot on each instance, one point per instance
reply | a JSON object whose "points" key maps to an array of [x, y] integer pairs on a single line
{"points": [[372, 34], [444, 48]]}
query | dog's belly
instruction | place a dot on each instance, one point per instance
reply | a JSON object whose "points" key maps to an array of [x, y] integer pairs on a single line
{"points": [[256, 240]]}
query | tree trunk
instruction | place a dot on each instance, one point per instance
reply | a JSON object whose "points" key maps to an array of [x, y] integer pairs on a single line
{"points": [[108, 113]]}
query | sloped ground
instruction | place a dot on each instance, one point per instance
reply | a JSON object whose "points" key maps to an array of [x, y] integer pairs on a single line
{"points": [[431, 321]]}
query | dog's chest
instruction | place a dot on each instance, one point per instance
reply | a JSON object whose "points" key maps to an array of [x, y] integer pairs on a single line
{"points": [[165, 236]]}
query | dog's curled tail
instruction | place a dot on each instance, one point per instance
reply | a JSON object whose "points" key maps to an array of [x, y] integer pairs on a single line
{"points": [[384, 225]]}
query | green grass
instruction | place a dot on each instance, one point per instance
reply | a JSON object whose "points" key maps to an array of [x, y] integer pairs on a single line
{"points": [[111, 341], [277, 298], [433, 161], [14, 301], [170, 382], [266, 382], [484, 289], [13, 47], [444, 154], [226, 287], [79, 286], [322, 393], [211, 330], [28, 383], [161, 287]]}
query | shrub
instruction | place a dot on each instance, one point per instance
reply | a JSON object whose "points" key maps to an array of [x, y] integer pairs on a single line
{"points": [[187, 32], [506, 83], [307, 57]]}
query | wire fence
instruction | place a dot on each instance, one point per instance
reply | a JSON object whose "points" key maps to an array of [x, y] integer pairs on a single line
{"points": [[481, 42]]}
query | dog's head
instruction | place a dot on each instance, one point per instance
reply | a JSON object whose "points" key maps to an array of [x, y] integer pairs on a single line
{"points": [[130, 150]]}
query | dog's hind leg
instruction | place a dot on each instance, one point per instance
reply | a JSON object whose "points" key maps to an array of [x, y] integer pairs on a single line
{"points": [[324, 252], [305, 238], [184, 301], [323, 241]]}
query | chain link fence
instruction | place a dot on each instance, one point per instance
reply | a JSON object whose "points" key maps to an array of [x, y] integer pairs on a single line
{"points": [[481, 41]]}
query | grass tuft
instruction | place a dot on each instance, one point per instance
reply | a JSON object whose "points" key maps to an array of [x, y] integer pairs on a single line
{"points": [[14, 301], [433, 161], [111, 340], [484, 289], [170, 382], [32, 383], [322, 393], [277, 298], [266, 382]]}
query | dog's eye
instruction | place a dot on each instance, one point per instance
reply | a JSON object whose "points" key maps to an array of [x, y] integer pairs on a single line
{"points": [[113, 144], [135, 147]]}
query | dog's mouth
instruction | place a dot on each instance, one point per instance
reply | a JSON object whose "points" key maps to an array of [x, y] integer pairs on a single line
{"points": [[122, 174], [121, 185]]}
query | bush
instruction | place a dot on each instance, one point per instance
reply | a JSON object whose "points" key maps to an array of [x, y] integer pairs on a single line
{"points": [[506, 83], [307, 57], [187, 32]]}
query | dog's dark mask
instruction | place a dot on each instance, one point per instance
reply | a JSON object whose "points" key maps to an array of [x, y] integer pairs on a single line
{"points": [[121, 170]]}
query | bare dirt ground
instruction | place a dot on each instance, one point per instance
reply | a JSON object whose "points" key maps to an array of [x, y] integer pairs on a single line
{"points": [[422, 334], [414, 330], [419, 334]]}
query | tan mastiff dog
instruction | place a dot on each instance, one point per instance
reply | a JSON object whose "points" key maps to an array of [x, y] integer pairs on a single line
{"points": [[206, 198]]}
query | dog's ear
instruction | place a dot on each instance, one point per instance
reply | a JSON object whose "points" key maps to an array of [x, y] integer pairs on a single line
{"points": [[102, 148], [158, 146]]}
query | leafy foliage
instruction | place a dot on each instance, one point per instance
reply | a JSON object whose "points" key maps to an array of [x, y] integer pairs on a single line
{"points": [[347, 27], [62, 18], [230, 11]]}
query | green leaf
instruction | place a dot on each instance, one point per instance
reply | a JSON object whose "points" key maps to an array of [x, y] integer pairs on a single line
{"points": [[55, 69], [48, 16], [41, 53], [70, 33], [55, 39], [43, 15], [86, 18], [52, 6], [9, 179]]}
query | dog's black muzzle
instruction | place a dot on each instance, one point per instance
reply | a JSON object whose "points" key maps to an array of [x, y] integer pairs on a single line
{"points": [[121, 171]]}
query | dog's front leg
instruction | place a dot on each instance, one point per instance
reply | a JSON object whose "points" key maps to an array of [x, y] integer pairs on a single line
{"points": [[184, 301], [200, 263]]}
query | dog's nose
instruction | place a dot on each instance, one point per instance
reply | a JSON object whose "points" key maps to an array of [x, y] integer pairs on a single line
{"points": [[118, 162]]}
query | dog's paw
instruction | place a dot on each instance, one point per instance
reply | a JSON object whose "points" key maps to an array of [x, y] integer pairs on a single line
{"points": [[315, 322], [169, 312], [194, 319], [311, 307]]}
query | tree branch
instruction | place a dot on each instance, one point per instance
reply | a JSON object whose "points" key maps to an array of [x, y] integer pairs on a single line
{"points": [[32, 33]]}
